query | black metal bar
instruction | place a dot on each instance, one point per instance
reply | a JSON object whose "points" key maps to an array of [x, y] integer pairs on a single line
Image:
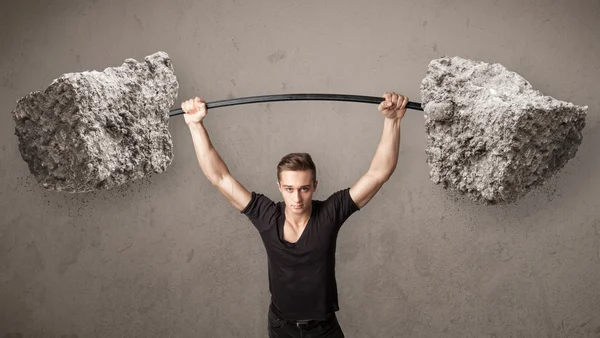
{"points": [[297, 97]]}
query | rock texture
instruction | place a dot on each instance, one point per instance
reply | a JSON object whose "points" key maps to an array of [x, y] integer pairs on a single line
{"points": [[97, 130], [490, 135]]}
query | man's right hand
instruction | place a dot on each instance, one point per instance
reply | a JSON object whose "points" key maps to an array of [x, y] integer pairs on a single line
{"points": [[194, 109]]}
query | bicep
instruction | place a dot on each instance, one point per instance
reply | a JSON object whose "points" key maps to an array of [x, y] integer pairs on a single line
{"points": [[364, 190], [235, 192]]}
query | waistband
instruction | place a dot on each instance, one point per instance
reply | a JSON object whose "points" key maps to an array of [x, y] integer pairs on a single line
{"points": [[280, 315]]}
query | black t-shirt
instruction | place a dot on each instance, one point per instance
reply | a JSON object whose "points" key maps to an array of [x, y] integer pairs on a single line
{"points": [[302, 274]]}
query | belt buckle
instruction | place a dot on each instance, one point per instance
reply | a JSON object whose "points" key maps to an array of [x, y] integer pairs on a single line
{"points": [[301, 323]]}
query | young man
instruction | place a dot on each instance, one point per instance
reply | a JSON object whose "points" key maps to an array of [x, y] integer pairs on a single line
{"points": [[300, 234]]}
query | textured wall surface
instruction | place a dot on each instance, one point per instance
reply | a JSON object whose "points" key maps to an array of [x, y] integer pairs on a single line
{"points": [[166, 256]]}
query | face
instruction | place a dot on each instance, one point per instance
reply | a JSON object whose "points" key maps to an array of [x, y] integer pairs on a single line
{"points": [[297, 188]]}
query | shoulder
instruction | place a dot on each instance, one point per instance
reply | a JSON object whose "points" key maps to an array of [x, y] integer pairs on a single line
{"points": [[336, 208], [262, 211], [260, 204], [339, 199], [342, 195]]}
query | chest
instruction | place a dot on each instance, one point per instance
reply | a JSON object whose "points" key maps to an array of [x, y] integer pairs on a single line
{"points": [[300, 244], [292, 234]]}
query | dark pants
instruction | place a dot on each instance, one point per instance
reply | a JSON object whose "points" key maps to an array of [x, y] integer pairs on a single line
{"points": [[279, 327]]}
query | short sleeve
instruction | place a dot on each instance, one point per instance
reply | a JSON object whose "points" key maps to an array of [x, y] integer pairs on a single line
{"points": [[261, 211], [339, 206]]}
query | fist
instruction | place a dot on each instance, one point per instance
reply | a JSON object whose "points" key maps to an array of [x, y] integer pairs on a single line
{"points": [[194, 109], [394, 105]]}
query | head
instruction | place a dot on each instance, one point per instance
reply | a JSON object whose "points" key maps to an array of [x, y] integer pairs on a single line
{"points": [[297, 181]]}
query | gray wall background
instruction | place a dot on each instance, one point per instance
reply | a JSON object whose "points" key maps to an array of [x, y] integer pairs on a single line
{"points": [[167, 256]]}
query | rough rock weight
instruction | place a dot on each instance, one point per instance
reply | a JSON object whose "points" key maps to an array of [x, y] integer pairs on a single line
{"points": [[97, 130], [490, 134]]}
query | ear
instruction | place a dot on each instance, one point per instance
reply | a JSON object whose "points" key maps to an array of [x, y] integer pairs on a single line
{"points": [[315, 185]]}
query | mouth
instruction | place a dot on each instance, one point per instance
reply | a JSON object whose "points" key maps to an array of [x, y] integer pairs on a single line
{"points": [[297, 206]]}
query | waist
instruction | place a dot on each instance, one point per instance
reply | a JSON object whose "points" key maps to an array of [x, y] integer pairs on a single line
{"points": [[306, 321]]}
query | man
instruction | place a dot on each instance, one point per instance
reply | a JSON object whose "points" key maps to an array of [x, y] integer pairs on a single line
{"points": [[300, 234]]}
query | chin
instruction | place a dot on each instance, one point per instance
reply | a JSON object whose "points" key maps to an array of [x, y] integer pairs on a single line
{"points": [[301, 209]]}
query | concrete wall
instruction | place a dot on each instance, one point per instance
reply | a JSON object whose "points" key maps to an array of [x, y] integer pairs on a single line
{"points": [[167, 256]]}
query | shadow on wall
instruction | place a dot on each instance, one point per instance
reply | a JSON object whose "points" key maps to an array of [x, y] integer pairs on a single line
{"points": [[561, 189]]}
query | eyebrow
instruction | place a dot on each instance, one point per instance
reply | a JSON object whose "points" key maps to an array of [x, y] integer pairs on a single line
{"points": [[289, 186]]}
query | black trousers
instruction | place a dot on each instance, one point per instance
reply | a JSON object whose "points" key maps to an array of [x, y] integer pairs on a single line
{"points": [[280, 327]]}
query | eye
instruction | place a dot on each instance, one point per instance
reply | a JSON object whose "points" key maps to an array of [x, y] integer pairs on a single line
{"points": [[288, 189], [305, 189]]}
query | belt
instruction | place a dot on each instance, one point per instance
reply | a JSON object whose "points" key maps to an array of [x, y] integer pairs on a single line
{"points": [[303, 324]]}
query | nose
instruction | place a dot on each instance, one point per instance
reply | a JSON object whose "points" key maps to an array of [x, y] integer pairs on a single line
{"points": [[296, 197]]}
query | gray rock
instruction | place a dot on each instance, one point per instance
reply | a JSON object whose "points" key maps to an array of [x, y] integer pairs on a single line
{"points": [[490, 135], [97, 130]]}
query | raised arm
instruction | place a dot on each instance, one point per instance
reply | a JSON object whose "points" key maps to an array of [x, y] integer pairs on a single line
{"points": [[386, 156], [210, 161]]}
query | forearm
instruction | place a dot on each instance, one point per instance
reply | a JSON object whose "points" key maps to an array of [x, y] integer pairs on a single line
{"points": [[210, 161], [386, 156]]}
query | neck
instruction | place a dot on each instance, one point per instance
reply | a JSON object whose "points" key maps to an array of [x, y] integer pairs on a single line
{"points": [[298, 219]]}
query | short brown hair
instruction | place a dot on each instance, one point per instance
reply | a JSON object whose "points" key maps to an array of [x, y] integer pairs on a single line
{"points": [[296, 162]]}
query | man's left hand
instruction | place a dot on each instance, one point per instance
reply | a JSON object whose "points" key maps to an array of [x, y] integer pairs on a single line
{"points": [[394, 105]]}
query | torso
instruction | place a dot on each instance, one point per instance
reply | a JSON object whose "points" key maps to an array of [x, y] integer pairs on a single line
{"points": [[301, 258]]}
